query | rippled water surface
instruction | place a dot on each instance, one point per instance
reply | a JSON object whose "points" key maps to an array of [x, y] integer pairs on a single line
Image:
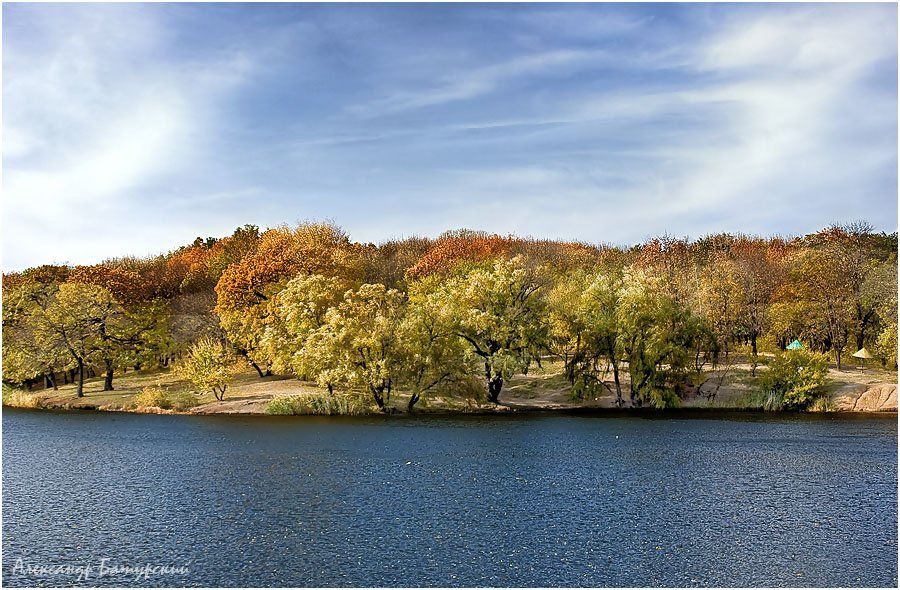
{"points": [[473, 501]]}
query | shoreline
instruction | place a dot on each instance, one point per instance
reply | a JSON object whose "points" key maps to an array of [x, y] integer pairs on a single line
{"points": [[500, 410]]}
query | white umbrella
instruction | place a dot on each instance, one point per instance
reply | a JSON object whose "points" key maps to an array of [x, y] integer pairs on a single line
{"points": [[862, 354]]}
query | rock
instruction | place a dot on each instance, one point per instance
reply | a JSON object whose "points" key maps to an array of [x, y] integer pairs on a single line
{"points": [[856, 397]]}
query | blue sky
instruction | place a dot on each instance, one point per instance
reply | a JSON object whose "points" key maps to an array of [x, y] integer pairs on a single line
{"points": [[130, 129]]}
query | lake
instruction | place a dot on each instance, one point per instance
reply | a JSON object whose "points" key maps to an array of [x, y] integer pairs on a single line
{"points": [[520, 500]]}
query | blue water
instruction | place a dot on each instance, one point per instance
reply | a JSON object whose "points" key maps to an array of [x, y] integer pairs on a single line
{"points": [[742, 500]]}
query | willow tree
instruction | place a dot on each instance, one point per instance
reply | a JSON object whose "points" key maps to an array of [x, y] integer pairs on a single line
{"points": [[657, 336], [496, 310], [359, 344], [583, 313]]}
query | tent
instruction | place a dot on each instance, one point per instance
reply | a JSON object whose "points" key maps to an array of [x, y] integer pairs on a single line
{"points": [[795, 345]]}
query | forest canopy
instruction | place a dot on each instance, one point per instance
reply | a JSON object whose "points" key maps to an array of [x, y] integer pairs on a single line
{"points": [[420, 313]]}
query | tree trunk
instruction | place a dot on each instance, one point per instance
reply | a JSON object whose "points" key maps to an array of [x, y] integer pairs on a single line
{"points": [[108, 378], [255, 366], [837, 354], [619, 401], [79, 388], [753, 344], [494, 385], [635, 398], [413, 399], [379, 400]]}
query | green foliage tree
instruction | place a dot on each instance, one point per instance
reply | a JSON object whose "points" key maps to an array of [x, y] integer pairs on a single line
{"points": [[432, 354], [657, 335], [209, 365], [359, 345], [295, 313], [496, 310], [73, 321], [583, 311]]}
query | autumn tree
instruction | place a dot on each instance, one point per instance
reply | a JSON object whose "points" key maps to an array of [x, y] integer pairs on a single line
{"points": [[759, 272], [820, 281], [455, 247], [245, 287], [721, 300]]}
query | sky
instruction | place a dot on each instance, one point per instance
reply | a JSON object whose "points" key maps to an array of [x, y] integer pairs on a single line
{"points": [[132, 129]]}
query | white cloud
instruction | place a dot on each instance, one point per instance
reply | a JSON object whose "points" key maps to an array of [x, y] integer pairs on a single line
{"points": [[93, 118]]}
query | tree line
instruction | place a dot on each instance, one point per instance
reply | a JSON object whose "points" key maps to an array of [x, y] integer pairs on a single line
{"points": [[419, 314]]}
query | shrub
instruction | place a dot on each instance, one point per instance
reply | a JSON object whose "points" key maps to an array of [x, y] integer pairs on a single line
{"points": [[795, 379], [317, 404], [18, 398], [153, 397], [886, 346]]}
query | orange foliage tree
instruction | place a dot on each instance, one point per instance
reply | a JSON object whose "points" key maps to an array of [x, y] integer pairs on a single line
{"points": [[243, 291]]}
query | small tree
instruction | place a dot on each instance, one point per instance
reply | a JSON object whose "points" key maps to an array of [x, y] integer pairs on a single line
{"points": [[209, 365]]}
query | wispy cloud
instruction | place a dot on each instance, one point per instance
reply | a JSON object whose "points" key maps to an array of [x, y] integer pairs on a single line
{"points": [[469, 84], [132, 128]]}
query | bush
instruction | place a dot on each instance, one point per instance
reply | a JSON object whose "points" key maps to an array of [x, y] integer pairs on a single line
{"points": [[886, 346], [153, 397], [18, 398], [317, 404], [795, 379]]}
